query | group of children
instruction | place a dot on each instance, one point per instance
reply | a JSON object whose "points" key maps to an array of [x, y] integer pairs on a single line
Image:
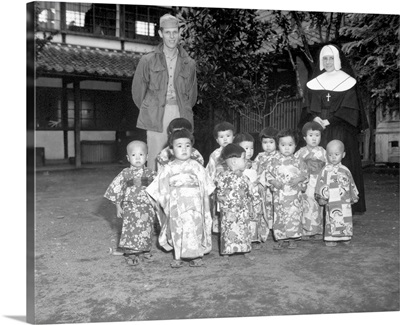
{"points": [[295, 195]]}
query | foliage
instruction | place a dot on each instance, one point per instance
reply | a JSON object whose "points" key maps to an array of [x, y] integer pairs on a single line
{"points": [[373, 48], [225, 43]]}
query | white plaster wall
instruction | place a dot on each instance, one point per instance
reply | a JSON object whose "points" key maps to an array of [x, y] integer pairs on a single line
{"points": [[138, 47], [53, 143], [93, 42]]}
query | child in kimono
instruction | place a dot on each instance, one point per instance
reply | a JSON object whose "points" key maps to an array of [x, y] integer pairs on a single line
{"points": [[314, 156], [263, 159], [235, 197], [288, 175], [166, 155], [182, 189], [258, 226], [223, 133], [127, 192], [336, 190]]}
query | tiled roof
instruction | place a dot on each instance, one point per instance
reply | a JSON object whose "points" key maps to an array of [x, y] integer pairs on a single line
{"points": [[66, 59]]}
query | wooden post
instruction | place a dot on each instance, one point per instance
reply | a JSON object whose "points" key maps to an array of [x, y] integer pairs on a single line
{"points": [[77, 123], [64, 116]]}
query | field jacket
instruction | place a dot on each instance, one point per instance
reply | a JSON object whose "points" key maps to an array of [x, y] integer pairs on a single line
{"points": [[150, 83]]}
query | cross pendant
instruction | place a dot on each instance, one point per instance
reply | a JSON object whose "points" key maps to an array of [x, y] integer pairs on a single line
{"points": [[327, 97]]}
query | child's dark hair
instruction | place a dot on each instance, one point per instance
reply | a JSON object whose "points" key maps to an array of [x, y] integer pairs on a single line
{"points": [[179, 123], [223, 126], [314, 126], [232, 150], [240, 137], [179, 134], [287, 133], [268, 133]]}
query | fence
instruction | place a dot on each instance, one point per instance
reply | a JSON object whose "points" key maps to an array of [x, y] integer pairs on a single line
{"points": [[283, 115]]}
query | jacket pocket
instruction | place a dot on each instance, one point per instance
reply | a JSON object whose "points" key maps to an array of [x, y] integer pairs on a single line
{"points": [[156, 77], [184, 83], [150, 100]]}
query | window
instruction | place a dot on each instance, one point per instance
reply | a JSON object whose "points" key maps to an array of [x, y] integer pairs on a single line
{"points": [[101, 19], [100, 110], [143, 28], [75, 16], [49, 15], [94, 18], [140, 22]]}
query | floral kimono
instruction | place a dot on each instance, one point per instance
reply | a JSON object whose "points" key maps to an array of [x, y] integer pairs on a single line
{"points": [[215, 166], [263, 160], [129, 190], [315, 159], [258, 226], [182, 189], [166, 155], [335, 184], [234, 196], [288, 205]]}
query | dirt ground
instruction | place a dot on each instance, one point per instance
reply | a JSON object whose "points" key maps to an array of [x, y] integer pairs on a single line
{"points": [[78, 281]]}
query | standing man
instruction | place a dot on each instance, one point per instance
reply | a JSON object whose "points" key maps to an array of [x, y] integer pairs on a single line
{"points": [[164, 87]]}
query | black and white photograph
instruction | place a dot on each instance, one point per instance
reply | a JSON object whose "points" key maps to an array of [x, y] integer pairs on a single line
{"points": [[202, 161]]}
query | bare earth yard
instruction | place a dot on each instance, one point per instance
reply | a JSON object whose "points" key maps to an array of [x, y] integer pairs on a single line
{"points": [[78, 281]]}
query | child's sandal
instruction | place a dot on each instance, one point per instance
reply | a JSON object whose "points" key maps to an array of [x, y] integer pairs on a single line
{"points": [[148, 257], [115, 252], [197, 263], [132, 261], [176, 264], [279, 245], [330, 243]]}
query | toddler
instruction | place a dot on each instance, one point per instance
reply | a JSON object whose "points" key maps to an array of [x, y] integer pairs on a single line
{"points": [[223, 133], [233, 193], [287, 174], [263, 159], [258, 225], [336, 190], [127, 192], [314, 156], [182, 189], [166, 154]]}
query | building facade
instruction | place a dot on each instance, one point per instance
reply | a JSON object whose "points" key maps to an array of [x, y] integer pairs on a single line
{"points": [[84, 111]]}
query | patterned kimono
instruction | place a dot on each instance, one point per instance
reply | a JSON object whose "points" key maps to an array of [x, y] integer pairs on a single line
{"points": [[215, 166], [288, 205], [129, 190], [336, 185], [182, 189], [213, 161], [234, 196], [315, 159], [258, 226], [163, 158], [166, 155], [263, 160]]}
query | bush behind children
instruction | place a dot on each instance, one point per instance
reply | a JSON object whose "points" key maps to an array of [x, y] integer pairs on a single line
{"points": [[290, 193]]}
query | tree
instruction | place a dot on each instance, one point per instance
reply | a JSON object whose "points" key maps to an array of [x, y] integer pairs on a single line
{"points": [[373, 48], [232, 73], [295, 32]]}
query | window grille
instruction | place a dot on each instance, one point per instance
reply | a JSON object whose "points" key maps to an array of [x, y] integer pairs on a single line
{"points": [[138, 22]]}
